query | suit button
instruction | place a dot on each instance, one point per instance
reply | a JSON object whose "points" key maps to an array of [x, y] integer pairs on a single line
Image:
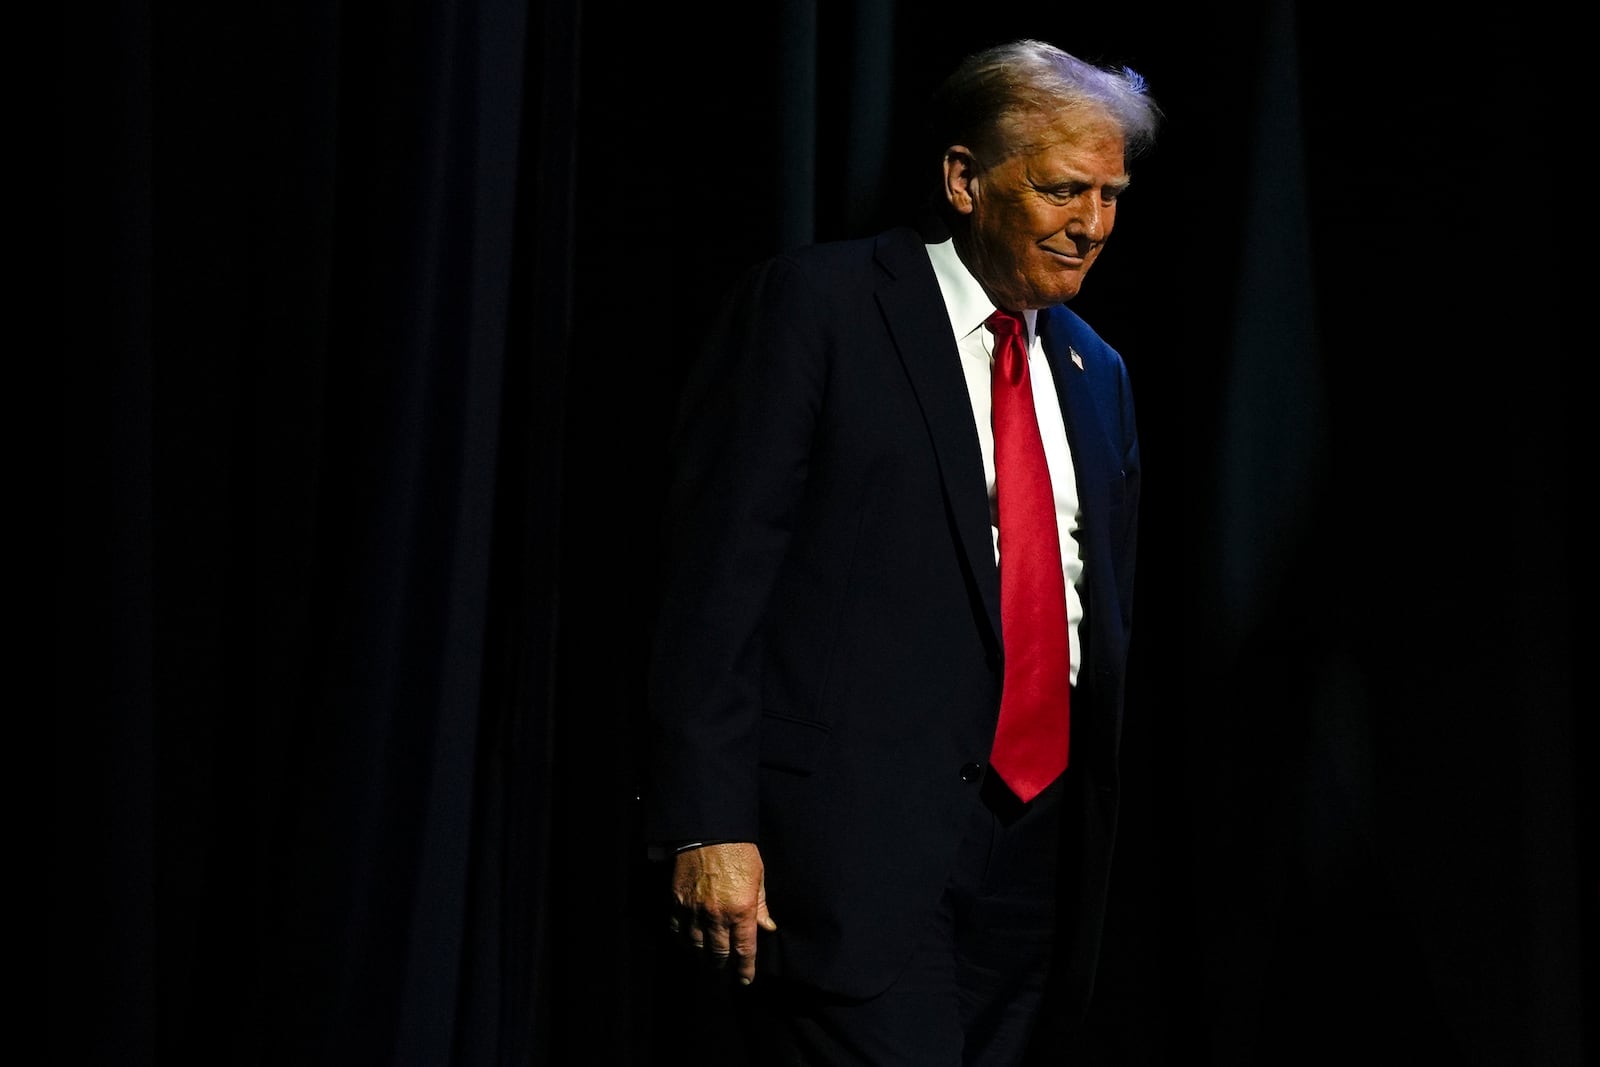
{"points": [[971, 772]]}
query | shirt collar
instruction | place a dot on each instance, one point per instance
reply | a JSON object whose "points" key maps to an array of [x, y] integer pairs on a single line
{"points": [[969, 306]]}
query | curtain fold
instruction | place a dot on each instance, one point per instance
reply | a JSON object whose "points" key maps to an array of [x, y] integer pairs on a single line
{"points": [[300, 250]]}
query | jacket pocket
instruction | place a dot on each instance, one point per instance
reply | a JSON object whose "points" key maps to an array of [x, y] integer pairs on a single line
{"points": [[791, 745]]}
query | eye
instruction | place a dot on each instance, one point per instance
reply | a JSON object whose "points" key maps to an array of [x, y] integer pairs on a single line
{"points": [[1061, 194]]}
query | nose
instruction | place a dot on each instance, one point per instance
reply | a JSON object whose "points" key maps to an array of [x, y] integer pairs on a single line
{"points": [[1089, 220]]}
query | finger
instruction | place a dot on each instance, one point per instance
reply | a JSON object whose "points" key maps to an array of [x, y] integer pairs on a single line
{"points": [[744, 952], [717, 945], [764, 918]]}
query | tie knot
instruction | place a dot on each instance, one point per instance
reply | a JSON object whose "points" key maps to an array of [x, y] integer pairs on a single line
{"points": [[1005, 324]]}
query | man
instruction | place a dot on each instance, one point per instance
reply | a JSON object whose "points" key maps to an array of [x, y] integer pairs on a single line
{"points": [[839, 635]]}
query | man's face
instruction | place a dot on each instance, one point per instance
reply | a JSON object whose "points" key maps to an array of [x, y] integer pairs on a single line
{"points": [[1038, 220]]}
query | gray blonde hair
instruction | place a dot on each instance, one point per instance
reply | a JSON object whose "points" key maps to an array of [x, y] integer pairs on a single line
{"points": [[993, 101]]}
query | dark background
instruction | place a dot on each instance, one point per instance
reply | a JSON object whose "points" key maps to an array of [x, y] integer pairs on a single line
{"points": [[372, 317]]}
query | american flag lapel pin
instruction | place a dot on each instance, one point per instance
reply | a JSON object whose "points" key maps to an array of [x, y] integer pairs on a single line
{"points": [[1077, 360]]}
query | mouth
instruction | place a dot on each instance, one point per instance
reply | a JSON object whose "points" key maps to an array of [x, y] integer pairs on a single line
{"points": [[1071, 258]]}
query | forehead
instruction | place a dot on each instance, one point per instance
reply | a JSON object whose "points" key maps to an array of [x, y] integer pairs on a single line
{"points": [[1089, 145]]}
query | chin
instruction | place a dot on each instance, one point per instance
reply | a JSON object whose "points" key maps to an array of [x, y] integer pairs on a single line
{"points": [[1054, 289], [1058, 294]]}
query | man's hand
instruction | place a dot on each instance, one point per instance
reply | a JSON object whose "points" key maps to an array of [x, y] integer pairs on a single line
{"points": [[719, 899]]}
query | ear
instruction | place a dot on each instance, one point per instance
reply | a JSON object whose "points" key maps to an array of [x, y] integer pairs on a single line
{"points": [[960, 174]]}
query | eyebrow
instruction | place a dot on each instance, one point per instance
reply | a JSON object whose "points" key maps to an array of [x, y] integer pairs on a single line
{"points": [[1116, 188]]}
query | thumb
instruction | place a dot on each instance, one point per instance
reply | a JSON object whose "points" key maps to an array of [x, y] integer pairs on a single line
{"points": [[763, 917]]}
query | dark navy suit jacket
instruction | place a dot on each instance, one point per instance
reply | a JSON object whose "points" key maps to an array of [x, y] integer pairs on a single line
{"points": [[827, 660]]}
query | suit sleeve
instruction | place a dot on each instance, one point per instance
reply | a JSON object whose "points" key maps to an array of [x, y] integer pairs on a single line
{"points": [[740, 454]]}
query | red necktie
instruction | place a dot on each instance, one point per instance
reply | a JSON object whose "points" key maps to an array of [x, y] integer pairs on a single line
{"points": [[1030, 743]]}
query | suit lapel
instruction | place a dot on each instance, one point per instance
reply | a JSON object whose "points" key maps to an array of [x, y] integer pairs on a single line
{"points": [[1085, 436], [1093, 457], [917, 320]]}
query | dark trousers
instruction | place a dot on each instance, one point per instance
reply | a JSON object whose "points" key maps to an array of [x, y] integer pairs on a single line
{"points": [[971, 993]]}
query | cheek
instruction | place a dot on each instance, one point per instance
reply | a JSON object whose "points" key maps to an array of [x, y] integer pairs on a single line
{"points": [[1044, 222]]}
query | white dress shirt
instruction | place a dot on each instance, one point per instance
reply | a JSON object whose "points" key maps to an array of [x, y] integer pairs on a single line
{"points": [[969, 307]]}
